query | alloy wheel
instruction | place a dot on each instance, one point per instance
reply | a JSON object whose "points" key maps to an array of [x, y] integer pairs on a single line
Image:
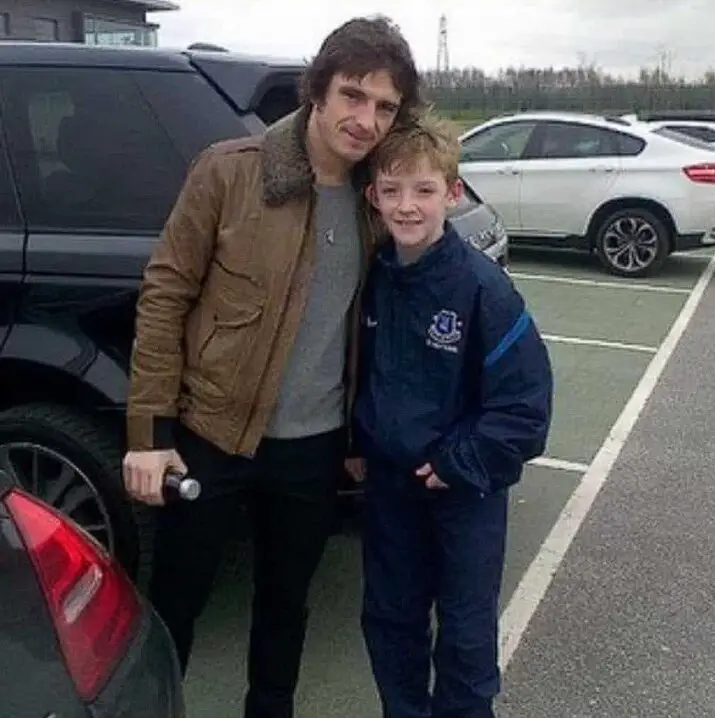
{"points": [[630, 244], [56, 480]]}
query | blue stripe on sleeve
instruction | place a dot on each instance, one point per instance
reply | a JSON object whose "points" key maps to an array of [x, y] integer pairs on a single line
{"points": [[509, 339]]}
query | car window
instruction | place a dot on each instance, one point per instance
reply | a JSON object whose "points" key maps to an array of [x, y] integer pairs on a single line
{"points": [[704, 133], [89, 152], [269, 95], [629, 145], [9, 212], [191, 111], [570, 140], [277, 102], [499, 142]]}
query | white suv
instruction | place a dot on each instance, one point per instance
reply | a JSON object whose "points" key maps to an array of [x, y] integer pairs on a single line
{"points": [[596, 183]]}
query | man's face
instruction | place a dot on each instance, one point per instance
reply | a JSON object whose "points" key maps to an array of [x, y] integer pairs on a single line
{"points": [[413, 204], [356, 114]]}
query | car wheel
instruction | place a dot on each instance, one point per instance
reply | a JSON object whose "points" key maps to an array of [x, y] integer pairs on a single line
{"points": [[74, 464], [632, 243]]}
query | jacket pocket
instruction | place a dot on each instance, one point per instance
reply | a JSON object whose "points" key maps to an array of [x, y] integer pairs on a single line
{"points": [[222, 331], [229, 340]]}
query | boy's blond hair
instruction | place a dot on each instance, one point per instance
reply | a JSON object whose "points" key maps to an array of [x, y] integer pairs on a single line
{"points": [[426, 135]]}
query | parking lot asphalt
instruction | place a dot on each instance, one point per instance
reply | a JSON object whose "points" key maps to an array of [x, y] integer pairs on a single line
{"points": [[603, 333], [626, 628]]}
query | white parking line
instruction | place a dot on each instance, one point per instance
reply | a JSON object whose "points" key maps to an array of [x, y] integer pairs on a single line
{"points": [[535, 582], [599, 343], [547, 462], [662, 288]]}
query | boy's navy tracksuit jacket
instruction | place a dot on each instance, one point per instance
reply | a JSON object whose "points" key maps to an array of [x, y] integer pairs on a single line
{"points": [[453, 372], [453, 369]]}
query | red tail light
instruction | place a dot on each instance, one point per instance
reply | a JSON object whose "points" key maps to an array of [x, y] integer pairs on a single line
{"points": [[701, 173], [94, 606]]}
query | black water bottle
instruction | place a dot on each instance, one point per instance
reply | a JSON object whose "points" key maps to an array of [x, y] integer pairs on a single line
{"points": [[177, 486]]}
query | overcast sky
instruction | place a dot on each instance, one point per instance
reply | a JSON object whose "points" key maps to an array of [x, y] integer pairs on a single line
{"points": [[618, 35]]}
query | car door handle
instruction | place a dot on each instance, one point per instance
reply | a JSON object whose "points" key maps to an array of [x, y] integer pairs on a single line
{"points": [[602, 168], [508, 171]]}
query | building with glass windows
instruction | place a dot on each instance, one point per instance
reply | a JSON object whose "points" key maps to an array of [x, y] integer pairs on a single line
{"points": [[95, 22]]}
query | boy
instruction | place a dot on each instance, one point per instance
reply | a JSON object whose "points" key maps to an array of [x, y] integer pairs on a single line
{"points": [[455, 394]]}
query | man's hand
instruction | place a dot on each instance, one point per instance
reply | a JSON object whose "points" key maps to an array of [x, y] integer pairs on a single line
{"points": [[356, 468], [144, 473], [432, 481]]}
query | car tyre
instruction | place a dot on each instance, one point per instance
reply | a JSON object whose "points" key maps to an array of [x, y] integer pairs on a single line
{"points": [[632, 242], [60, 441]]}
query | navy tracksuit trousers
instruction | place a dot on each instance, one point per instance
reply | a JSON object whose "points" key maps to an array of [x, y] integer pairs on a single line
{"points": [[422, 548]]}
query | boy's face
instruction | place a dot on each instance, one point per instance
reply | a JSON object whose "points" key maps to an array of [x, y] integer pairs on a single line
{"points": [[356, 114], [413, 204]]}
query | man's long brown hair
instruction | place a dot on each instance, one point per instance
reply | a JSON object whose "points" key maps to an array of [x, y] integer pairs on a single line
{"points": [[357, 48]]}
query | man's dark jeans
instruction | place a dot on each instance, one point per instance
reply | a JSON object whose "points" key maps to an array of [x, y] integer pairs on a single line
{"points": [[290, 488]]}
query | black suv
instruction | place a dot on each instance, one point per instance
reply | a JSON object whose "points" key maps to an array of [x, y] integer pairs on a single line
{"points": [[94, 146]]}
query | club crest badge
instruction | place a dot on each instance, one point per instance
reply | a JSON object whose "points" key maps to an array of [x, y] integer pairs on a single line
{"points": [[445, 330]]}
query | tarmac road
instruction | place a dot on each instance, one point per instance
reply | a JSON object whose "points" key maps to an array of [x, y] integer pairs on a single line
{"points": [[626, 628]]}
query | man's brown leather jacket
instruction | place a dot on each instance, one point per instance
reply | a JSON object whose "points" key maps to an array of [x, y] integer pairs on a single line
{"points": [[224, 292]]}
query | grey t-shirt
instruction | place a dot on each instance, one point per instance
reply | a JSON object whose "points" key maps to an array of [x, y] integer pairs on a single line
{"points": [[311, 399]]}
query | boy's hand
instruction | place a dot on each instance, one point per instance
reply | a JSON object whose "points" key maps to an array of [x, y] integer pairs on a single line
{"points": [[432, 481], [356, 468]]}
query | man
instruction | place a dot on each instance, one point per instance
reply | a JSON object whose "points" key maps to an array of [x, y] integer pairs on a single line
{"points": [[244, 355]]}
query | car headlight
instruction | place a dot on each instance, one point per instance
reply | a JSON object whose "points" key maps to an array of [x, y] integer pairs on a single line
{"points": [[489, 236]]}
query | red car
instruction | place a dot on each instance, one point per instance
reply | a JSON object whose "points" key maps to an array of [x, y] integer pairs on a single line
{"points": [[76, 638]]}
